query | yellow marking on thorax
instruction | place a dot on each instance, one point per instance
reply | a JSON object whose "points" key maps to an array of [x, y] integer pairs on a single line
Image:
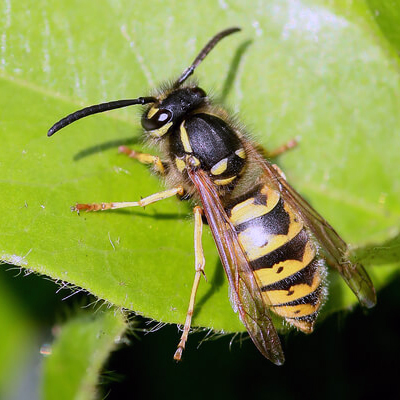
{"points": [[282, 270], [222, 182], [151, 112], [295, 292], [180, 164], [220, 167], [249, 239], [185, 138], [241, 153], [300, 310], [246, 210], [162, 131]]}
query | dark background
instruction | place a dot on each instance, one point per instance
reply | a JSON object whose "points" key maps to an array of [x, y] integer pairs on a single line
{"points": [[350, 355]]}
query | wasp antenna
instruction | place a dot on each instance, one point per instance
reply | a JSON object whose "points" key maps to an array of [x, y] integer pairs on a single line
{"points": [[203, 53], [98, 108]]}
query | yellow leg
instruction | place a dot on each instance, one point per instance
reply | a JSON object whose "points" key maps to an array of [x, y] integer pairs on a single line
{"points": [[141, 203], [280, 150], [144, 158], [200, 263]]}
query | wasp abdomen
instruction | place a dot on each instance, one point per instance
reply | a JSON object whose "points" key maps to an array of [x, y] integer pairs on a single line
{"points": [[211, 141], [282, 255]]}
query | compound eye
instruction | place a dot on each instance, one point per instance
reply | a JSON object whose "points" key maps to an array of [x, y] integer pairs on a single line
{"points": [[159, 119], [199, 91]]}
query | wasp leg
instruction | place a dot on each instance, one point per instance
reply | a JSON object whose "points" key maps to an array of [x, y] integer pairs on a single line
{"points": [[200, 262], [145, 158], [278, 151], [141, 203]]}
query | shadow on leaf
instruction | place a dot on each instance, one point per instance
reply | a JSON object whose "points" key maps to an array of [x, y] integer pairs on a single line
{"points": [[98, 148], [214, 283], [233, 69]]}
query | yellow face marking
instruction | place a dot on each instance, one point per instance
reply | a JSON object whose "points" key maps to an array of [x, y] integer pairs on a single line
{"points": [[223, 182], [185, 138], [241, 153], [282, 270], [246, 210], [300, 310], [151, 112], [295, 292], [180, 164], [220, 167], [162, 131]]}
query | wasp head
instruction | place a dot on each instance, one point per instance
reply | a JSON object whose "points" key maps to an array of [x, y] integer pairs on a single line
{"points": [[172, 109]]}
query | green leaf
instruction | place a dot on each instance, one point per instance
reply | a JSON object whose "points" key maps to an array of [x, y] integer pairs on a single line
{"points": [[324, 72], [387, 17], [83, 344]]}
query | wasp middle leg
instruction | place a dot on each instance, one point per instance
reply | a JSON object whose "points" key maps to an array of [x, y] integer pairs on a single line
{"points": [[199, 265]]}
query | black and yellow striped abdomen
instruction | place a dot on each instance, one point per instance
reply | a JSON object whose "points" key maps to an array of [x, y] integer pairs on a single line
{"points": [[282, 254]]}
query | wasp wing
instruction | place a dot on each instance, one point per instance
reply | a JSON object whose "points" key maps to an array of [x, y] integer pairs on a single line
{"points": [[245, 293], [334, 247]]}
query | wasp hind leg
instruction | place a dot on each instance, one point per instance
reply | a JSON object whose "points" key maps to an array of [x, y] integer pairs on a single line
{"points": [[141, 203], [199, 265], [144, 158], [278, 151]]}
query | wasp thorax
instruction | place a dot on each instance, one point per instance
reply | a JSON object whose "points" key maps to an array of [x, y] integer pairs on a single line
{"points": [[207, 141], [159, 118]]}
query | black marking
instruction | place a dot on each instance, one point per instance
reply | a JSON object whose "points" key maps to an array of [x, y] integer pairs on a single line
{"points": [[256, 193], [260, 200], [304, 276], [308, 318], [176, 145], [275, 222], [235, 164], [292, 250], [313, 298]]}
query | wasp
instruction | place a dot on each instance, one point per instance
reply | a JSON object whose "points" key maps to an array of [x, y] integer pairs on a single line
{"points": [[274, 247]]}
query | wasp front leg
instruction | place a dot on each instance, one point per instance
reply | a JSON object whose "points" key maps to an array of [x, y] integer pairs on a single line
{"points": [[141, 203], [144, 158], [199, 265]]}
